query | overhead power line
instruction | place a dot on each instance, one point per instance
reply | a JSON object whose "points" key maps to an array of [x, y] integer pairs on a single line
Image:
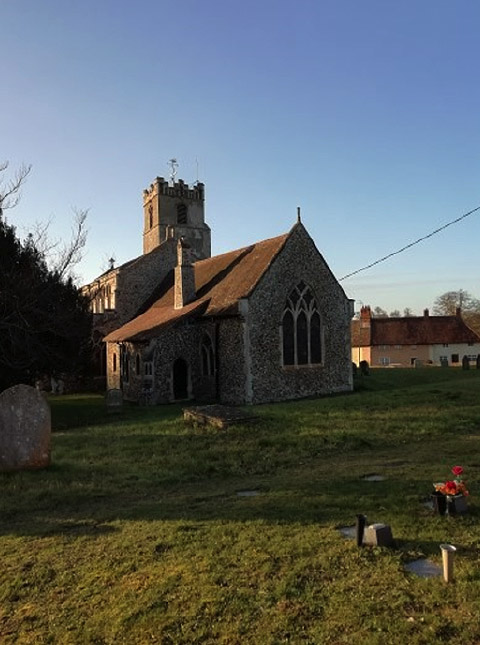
{"points": [[409, 246]]}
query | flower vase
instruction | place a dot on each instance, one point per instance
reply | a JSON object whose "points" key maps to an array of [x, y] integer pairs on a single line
{"points": [[456, 504], [439, 501]]}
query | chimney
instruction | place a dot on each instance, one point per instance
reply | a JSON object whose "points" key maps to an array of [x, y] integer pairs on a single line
{"points": [[365, 316], [184, 289], [426, 313]]}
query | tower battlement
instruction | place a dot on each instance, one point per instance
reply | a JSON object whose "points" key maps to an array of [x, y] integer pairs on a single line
{"points": [[179, 189], [174, 210]]}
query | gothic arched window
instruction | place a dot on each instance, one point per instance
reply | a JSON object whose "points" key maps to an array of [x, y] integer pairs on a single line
{"points": [[301, 328], [208, 356]]}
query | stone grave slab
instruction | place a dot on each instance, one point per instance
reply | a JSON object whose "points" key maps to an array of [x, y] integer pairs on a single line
{"points": [[423, 568], [25, 429], [348, 532], [218, 416], [248, 493], [373, 477]]}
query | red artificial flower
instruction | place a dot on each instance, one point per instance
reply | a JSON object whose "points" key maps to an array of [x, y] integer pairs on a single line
{"points": [[457, 470], [451, 488]]}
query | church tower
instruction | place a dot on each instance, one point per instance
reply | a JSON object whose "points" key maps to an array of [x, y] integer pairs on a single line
{"points": [[175, 210]]}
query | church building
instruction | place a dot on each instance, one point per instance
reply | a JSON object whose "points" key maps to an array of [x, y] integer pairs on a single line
{"points": [[267, 322]]}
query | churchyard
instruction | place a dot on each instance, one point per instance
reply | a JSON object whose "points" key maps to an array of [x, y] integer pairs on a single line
{"points": [[146, 530]]}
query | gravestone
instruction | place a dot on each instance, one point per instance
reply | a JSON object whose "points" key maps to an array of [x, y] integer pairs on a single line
{"points": [[465, 363], [25, 429], [378, 535], [114, 400], [364, 368], [478, 361]]}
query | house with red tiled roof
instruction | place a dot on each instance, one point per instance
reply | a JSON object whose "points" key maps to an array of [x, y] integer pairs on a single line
{"points": [[412, 340], [266, 322]]}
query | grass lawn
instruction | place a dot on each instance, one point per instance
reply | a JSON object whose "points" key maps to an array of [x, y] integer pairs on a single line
{"points": [[137, 534]]}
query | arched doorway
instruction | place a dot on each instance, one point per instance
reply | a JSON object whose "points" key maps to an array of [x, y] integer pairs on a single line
{"points": [[180, 379]]}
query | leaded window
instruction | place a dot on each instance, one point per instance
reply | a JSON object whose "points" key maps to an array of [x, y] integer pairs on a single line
{"points": [[301, 328], [208, 356]]}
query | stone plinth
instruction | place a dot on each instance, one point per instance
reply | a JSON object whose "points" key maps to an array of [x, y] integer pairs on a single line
{"points": [[219, 416], [25, 429]]}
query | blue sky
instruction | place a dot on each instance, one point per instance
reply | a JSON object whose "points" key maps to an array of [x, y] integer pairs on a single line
{"points": [[365, 114]]}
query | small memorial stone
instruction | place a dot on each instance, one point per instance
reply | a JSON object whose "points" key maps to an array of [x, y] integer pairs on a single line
{"points": [[114, 400], [25, 429], [378, 535]]}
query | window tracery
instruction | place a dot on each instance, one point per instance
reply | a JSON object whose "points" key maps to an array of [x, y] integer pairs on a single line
{"points": [[301, 328]]}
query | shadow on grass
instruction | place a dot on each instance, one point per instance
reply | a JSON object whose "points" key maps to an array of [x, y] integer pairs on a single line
{"points": [[80, 501], [73, 412]]}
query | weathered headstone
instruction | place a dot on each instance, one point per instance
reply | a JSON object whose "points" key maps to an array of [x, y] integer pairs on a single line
{"points": [[478, 361], [114, 400], [25, 429], [364, 368], [465, 362], [444, 362]]}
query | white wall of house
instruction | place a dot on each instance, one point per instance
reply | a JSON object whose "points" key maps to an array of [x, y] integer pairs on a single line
{"points": [[453, 350]]}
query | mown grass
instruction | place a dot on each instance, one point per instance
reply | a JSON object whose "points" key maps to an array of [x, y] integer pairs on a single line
{"points": [[136, 533]]}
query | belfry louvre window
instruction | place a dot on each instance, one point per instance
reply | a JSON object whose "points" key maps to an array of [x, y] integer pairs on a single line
{"points": [[181, 214], [301, 328]]}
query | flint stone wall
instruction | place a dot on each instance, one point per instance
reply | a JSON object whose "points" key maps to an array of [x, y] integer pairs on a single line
{"points": [[178, 341], [25, 429], [269, 379]]}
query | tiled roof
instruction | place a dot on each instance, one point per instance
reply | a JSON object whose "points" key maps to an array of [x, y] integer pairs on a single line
{"points": [[412, 330], [138, 261], [220, 282]]}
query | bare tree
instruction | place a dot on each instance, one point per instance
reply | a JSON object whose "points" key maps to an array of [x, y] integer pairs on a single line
{"points": [[71, 253], [10, 190], [448, 302], [60, 257]]}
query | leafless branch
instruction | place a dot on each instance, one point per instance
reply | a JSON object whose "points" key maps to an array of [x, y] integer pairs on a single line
{"points": [[39, 236], [71, 254], [10, 190]]}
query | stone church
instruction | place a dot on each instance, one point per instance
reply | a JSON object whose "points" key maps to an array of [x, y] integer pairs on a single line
{"points": [[267, 322]]}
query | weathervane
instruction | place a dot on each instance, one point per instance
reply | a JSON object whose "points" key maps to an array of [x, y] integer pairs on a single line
{"points": [[173, 169]]}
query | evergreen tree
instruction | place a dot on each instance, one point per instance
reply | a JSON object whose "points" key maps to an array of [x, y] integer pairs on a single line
{"points": [[45, 323]]}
